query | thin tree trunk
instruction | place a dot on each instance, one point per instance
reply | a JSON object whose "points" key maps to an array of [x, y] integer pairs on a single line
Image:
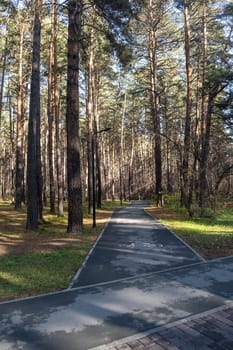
{"points": [[204, 117], [96, 114], [154, 101], [51, 119], [56, 110], [131, 162], [59, 160], [75, 213], [19, 179], [205, 154], [4, 60], [11, 152], [45, 162], [185, 164], [90, 73], [122, 158]]}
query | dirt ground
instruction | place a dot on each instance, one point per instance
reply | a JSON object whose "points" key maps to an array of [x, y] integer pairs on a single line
{"points": [[16, 240]]}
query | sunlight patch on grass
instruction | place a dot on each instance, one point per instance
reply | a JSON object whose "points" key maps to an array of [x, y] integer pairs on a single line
{"points": [[211, 237], [194, 227]]}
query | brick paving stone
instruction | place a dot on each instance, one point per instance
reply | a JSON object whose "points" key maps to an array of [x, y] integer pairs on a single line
{"points": [[222, 328], [166, 344], [195, 334], [155, 347], [224, 320], [209, 332], [122, 347], [224, 314], [227, 314], [146, 341], [154, 336], [136, 345], [229, 311], [176, 337], [212, 334]]}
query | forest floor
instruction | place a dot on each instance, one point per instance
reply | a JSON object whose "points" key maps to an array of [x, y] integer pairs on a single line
{"points": [[211, 236]]}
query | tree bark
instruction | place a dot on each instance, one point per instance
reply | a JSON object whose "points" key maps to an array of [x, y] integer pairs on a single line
{"points": [[56, 112], [19, 176], [34, 189], [51, 118], [90, 73], [185, 164], [75, 213], [205, 154]]}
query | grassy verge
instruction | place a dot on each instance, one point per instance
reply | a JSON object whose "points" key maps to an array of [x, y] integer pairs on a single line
{"points": [[39, 262], [211, 237]]}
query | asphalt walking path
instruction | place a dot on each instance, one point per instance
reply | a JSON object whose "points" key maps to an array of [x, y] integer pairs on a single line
{"points": [[140, 288]]}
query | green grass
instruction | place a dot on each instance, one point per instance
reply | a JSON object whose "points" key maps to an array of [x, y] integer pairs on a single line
{"points": [[39, 273], [211, 236]]}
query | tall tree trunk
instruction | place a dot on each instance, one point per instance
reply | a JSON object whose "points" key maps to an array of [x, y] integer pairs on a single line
{"points": [[59, 159], [3, 63], [53, 117], [122, 150], [19, 178], [34, 188], [205, 116], [132, 155], [56, 110], [75, 213], [51, 120], [11, 151], [90, 77], [154, 104], [45, 167], [98, 138], [185, 164]]}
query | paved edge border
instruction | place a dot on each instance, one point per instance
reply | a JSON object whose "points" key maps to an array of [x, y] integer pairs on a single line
{"points": [[179, 238], [112, 345]]}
